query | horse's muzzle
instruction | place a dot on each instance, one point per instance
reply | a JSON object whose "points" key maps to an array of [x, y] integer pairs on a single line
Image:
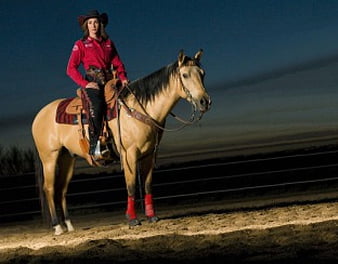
{"points": [[205, 103]]}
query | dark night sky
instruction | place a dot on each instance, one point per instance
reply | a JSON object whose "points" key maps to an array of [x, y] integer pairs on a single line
{"points": [[241, 39]]}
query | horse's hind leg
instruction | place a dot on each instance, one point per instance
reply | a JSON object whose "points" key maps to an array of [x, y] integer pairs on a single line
{"points": [[49, 169], [66, 168], [146, 166]]}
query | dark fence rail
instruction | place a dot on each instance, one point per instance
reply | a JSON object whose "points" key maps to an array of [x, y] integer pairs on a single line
{"points": [[206, 179]]}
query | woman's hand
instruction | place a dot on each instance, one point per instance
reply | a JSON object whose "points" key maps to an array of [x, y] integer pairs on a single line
{"points": [[125, 83], [92, 85]]}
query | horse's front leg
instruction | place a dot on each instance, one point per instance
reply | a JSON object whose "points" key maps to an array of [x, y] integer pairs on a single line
{"points": [[130, 168], [146, 170]]}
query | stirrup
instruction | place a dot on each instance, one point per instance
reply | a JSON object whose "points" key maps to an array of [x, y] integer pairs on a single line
{"points": [[98, 154]]}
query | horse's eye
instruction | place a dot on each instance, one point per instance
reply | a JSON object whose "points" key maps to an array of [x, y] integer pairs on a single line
{"points": [[185, 75]]}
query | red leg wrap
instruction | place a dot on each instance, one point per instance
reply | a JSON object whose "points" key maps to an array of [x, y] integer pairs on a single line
{"points": [[130, 213], [149, 208]]}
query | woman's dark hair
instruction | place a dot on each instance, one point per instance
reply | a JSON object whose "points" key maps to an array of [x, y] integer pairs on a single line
{"points": [[102, 31]]}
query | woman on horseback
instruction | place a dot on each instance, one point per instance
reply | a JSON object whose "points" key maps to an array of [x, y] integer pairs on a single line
{"points": [[99, 57]]}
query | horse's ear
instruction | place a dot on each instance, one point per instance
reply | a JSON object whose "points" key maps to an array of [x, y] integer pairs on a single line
{"points": [[181, 58], [198, 55]]}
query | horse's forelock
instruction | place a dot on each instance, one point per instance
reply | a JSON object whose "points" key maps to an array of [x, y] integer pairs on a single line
{"points": [[190, 62]]}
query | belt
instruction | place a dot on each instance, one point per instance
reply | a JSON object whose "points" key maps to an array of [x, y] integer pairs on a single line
{"points": [[100, 76]]}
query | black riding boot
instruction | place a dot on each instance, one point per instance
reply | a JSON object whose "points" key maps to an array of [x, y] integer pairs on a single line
{"points": [[96, 107]]}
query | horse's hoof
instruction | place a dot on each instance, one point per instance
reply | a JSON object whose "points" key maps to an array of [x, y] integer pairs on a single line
{"points": [[134, 222], [153, 219], [58, 230], [69, 225]]}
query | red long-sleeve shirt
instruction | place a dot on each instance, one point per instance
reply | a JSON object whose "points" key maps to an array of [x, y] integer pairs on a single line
{"points": [[101, 54]]}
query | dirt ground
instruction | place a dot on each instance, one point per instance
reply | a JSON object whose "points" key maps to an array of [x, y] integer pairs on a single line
{"points": [[270, 230]]}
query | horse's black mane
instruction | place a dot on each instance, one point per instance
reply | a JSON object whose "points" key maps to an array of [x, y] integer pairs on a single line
{"points": [[146, 88]]}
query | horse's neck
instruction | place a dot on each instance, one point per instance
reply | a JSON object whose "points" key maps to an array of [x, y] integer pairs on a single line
{"points": [[163, 103]]}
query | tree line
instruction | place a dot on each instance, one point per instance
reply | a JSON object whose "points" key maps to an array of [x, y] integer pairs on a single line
{"points": [[15, 161]]}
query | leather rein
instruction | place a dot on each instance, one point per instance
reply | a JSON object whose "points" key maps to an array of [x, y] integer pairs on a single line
{"points": [[145, 118]]}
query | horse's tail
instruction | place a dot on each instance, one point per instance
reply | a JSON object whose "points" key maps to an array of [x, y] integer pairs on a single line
{"points": [[39, 181]]}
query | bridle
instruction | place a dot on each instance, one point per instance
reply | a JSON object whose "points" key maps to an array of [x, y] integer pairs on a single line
{"points": [[191, 101]]}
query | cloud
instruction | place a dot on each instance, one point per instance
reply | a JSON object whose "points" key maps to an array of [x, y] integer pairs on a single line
{"points": [[279, 72], [15, 122]]}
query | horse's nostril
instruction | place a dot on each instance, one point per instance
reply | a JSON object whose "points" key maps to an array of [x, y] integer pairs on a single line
{"points": [[206, 102]]}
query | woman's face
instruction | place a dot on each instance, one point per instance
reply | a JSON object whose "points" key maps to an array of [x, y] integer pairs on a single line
{"points": [[93, 25]]}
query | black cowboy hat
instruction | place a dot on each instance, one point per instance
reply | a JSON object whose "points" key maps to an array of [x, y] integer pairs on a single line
{"points": [[91, 14]]}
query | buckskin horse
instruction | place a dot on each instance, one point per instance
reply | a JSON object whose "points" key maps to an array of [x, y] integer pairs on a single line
{"points": [[137, 129]]}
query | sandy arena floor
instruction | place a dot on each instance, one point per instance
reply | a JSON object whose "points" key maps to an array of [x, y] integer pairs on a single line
{"points": [[250, 232]]}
